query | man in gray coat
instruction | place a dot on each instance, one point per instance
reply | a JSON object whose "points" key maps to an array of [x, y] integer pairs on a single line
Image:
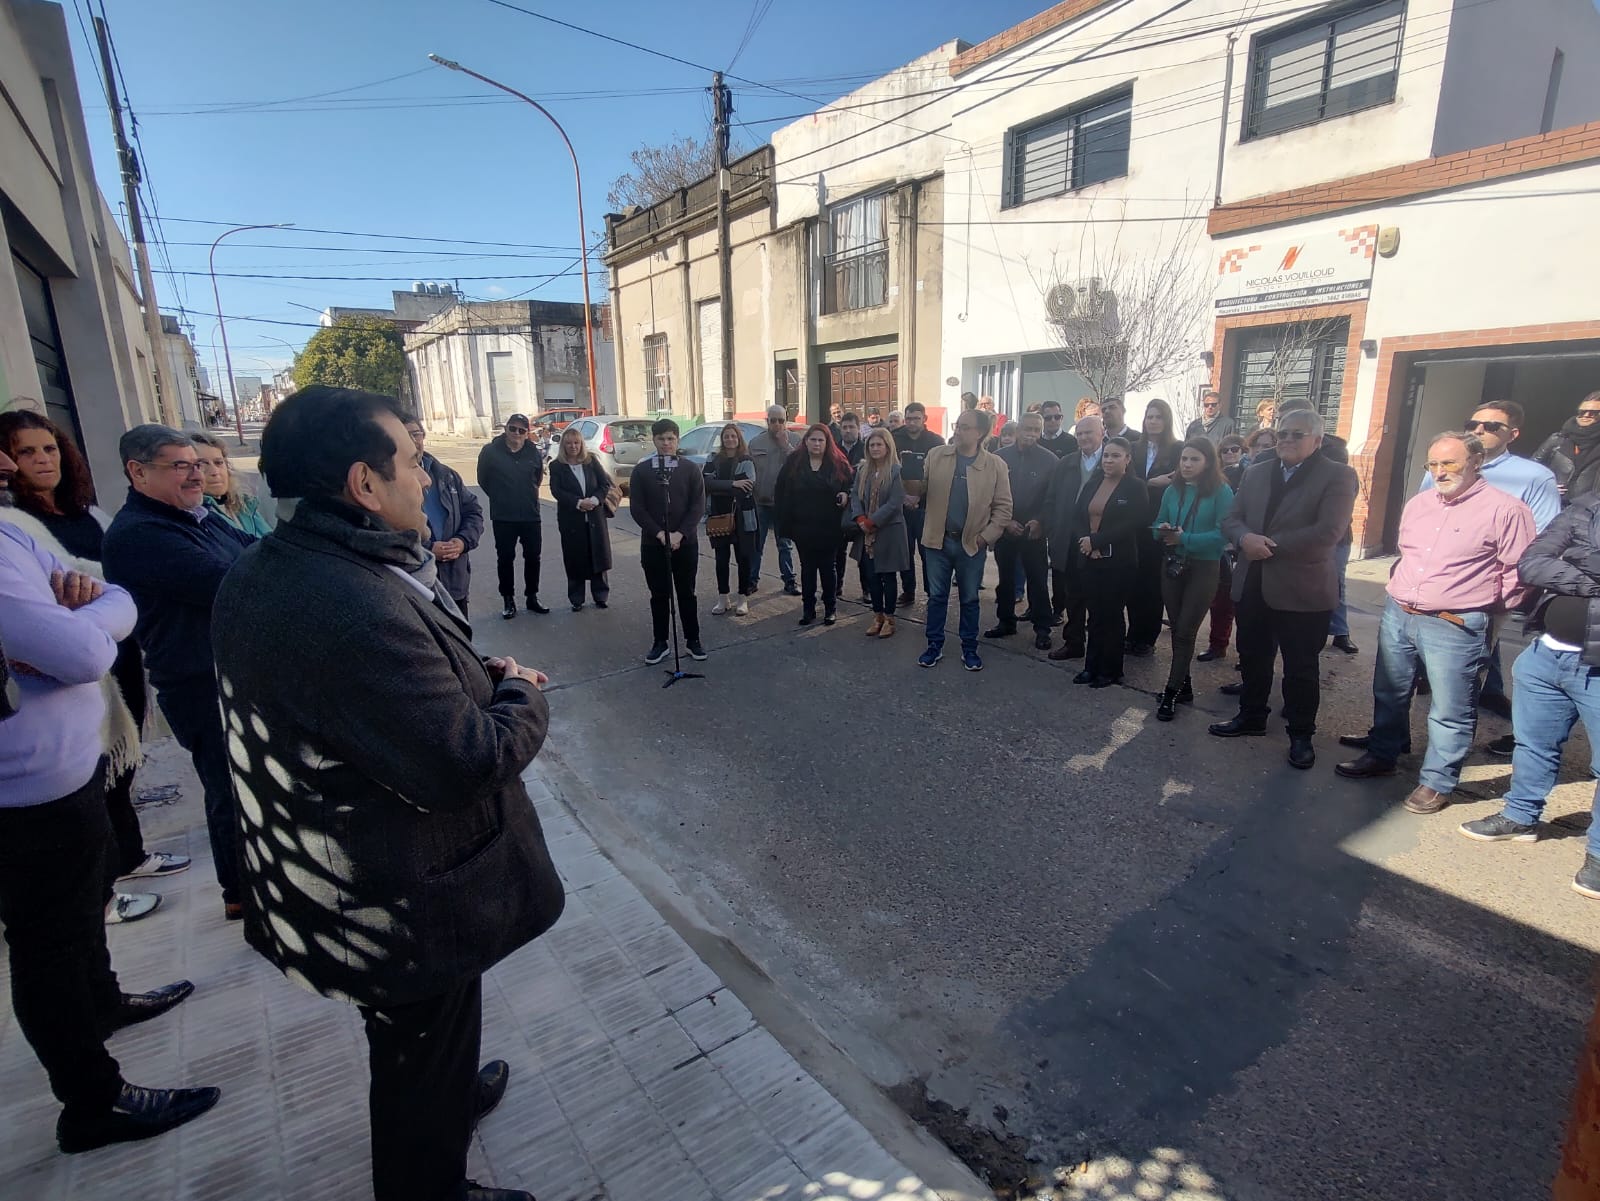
{"points": [[769, 451], [390, 852], [455, 519], [1286, 521]]}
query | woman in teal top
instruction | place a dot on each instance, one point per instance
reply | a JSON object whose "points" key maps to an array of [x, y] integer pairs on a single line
{"points": [[224, 497], [1188, 528]]}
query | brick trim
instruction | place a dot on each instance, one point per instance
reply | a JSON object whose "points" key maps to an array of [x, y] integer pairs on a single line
{"points": [[1541, 152], [1224, 349], [1051, 18]]}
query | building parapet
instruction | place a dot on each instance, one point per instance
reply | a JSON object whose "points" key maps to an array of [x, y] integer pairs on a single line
{"points": [[750, 183]]}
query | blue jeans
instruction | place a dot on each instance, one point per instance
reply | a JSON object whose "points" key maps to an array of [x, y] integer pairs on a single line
{"points": [[767, 519], [941, 564], [1339, 623], [1452, 657], [1554, 691]]}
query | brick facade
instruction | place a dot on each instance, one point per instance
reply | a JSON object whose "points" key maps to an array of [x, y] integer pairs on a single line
{"points": [[1051, 18]]}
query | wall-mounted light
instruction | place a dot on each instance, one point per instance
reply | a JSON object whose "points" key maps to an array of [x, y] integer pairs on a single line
{"points": [[1208, 358], [1369, 347]]}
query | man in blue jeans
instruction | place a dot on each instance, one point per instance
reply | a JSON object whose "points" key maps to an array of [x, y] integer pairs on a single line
{"points": [[1459, 545], [1557, 681], [769, 451], [968, 506]]}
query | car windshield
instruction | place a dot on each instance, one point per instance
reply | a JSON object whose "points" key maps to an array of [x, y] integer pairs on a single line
{"points": [[630, 431]]}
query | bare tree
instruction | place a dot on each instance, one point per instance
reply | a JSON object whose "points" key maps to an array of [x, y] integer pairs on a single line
{"points": [[1291, 370], [658, 171], [1128, 316]]}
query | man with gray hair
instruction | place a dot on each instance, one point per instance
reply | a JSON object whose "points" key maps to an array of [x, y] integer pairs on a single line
{"points": [[171, 553], [768, 451], [1288, 516]]}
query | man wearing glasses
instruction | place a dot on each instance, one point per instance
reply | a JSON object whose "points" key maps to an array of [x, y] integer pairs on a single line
{"points": [[1570, 451], [768, 451], [1212, 423], [1056, 439], [171, 553], [511, 472], [1286, 520], [1459, 545]]}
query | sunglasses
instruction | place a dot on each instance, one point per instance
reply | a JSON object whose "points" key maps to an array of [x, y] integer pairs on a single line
{"points": [[516, 429], [1293, 435], [1590, 414], [1488, 427]]}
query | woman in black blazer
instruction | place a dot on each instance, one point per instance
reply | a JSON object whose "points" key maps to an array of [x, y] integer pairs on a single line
{"points": [[580, 486], [1155, 461], [1106, 525]]}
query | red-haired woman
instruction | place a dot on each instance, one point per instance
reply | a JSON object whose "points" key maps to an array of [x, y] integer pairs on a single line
{"points": [[55, 506], [813, 489]]}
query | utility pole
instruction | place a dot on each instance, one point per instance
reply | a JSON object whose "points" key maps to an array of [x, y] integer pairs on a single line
{"points": [[166, 397], [722, 99]]}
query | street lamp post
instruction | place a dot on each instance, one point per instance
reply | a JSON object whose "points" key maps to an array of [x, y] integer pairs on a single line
{"points": [[227, 359], [583, 236]]}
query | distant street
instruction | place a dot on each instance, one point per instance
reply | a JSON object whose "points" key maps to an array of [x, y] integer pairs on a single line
{"points": [[1103, 938]]}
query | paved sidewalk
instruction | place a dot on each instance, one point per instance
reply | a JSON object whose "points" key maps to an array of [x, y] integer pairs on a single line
{"points": [[636, 1075]]}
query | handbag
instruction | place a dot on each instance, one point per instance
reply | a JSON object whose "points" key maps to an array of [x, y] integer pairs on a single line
{"points": [[723, 525], [613, 500]]}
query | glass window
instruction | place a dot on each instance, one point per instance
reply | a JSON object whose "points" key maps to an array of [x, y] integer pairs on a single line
{"points": [[1296, 361], [630, 431], [1328, 68], [657, 374], [856, 267], [1086, 145]]}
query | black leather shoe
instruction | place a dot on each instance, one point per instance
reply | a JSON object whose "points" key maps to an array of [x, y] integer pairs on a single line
{"points": [[1066, 651], [1083, 677], [1041, 642], [906, 600], [142, 1006], [483, 1192], [1301, 754], [806, 619], [791, 589], [1104, 681], [1186, 692], [1238, 728], [829, 617], [1234, 689], [1342, 643], [534, 606], [1367, 767], [508, 610], [1360, 742], [1210, 654], [1167, 707], [492, 1079], [138, 1113], [1000, 631], [1140, 650]]}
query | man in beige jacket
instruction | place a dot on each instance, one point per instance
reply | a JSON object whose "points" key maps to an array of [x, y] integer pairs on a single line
{"points": [[968, 506]]}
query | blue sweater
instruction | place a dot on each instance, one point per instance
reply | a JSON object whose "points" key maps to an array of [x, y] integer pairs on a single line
{"points": [[49, 749], [1202, 519], [172, 561]]}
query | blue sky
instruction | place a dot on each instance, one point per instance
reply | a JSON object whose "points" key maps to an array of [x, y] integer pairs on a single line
{"points": [[432, 153]]}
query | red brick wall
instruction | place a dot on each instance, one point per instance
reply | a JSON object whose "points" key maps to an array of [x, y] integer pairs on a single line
{"points": [[1558, 148], [1049, 19]]}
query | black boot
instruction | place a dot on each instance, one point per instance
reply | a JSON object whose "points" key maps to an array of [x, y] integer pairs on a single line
{"points": [[1186, 693], [1167, 709]]}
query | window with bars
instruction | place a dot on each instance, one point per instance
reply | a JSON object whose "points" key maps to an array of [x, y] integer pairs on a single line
{"points": [[1085, 145], [1325, 68], [856, 266], [1297, 361], [657, 374]]}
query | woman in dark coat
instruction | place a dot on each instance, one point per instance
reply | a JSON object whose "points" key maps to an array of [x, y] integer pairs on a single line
{"points": [[1573, 451], [583, 511], [1110, 515], [731, 488], [1155, 461], [813, 489], [877, 507]]}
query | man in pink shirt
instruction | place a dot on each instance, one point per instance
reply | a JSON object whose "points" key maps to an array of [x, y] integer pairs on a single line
{"points": [[1459, 546]]}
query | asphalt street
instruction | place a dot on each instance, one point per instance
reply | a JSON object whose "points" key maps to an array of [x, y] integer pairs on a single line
{"points": [[1097, 938]]}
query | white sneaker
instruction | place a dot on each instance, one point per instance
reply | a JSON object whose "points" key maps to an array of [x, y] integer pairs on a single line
{"points": [[130, 907], [158, 863], [742, 609], [720, 607]]}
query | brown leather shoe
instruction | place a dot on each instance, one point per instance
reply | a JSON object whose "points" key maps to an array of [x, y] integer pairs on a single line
{"points": [[1066, 651], [1365, 768], [1426, 800], [876, 627], [888, 628]]}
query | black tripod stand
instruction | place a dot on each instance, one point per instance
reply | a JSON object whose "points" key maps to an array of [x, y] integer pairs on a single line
{"points": [[677, 673]]}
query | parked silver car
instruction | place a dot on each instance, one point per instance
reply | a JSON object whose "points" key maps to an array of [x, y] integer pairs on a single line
{"points": [[617, 444]]}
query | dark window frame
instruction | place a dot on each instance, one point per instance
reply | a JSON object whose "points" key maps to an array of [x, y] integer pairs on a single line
{"points": [[1254, 126], [1073, 179]]}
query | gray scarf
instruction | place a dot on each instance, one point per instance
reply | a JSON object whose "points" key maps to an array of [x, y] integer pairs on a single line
{"points": [[371, 538]]}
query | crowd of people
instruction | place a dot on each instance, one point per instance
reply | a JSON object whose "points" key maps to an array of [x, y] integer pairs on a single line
{"points": [[368, 825]]}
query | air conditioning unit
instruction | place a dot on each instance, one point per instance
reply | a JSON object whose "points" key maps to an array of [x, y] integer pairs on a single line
{"points": [[1084, 302]]}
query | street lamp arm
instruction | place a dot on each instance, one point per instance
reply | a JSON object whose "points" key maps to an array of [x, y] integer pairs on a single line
{"points": [[222, 328]]}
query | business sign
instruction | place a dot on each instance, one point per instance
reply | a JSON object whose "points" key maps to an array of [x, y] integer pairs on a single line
{"points": [[1320, 269]]}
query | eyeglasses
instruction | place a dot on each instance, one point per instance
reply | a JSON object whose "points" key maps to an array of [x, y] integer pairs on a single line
{"points": [[1435, 466], [1488, 427], [1294, 435], [1233, 450], [516, 429], [185, 466], [1055, 416], [1588, 414]]}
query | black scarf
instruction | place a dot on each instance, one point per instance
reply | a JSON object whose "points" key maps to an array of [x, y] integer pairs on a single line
{"points": [[1580, 440], [365, 535]]}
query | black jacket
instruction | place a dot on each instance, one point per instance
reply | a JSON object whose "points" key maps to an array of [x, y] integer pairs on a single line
{"points": [[463, 519], [913, 451], [173, 565], [1031, 472], [1120, 526], [585, 535], [675, 507], [511, 481], [1165, 464], [1557, 453], [807, 502], [389, 848], [1061, 507], [1565, 561], [1062, 445]]}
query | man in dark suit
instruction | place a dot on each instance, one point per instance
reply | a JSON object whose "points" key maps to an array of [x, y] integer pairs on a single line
{"points": [[1286, 521], [667, 498], [391, 855], [1061, 502]]}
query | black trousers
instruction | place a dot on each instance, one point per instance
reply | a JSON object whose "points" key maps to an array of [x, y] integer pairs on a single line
{"points": [[461, 603], [1105, 595], [506, 536], [741, 548], [915, 519], [1144, 594], [840, 564], [52, 903], [1262, 635], [599, 585], [666, 572], [195, 715], [424, 1062], [817, 562], [1035, 563]]}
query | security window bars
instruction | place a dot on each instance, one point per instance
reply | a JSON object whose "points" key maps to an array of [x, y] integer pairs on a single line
{"points": [[1330, 67], [1086, 145], [657, 374], [1303, 360], [856, 267]]}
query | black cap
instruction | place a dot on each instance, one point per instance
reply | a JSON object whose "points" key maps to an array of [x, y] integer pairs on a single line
{"points": [[521, 417]]}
